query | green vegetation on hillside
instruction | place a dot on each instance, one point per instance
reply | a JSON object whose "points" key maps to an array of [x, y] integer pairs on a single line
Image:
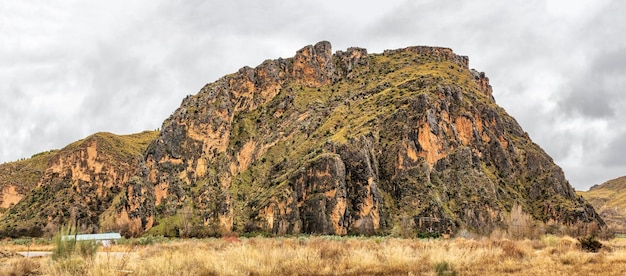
{"points": [[25, 173], [409, 142], [609, 200], [65, 195]]}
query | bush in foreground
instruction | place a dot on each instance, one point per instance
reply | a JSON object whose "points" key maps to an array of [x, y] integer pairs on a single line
{"points": [[590, 244], [67, 247]]}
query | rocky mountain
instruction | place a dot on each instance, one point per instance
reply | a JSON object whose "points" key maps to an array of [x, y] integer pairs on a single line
{"points": [[18, 178], [349, 142], [406, 141], [75, 184], [609, 199]]}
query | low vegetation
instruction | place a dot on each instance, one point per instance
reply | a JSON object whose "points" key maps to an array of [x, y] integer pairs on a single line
{"points": [[66, 245], [79, 193], [333, 255], [609, 200]]}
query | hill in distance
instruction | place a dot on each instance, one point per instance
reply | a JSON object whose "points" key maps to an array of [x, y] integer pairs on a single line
{"points": [[76, 183], [406, 141], [609, 199], [18, 178]]}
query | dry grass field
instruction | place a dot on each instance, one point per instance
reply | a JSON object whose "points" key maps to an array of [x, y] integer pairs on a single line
{"points": [[327, 255]]}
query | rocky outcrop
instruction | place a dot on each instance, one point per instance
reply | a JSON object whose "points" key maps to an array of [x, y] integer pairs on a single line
{"points": [[409, 139], [79, 183], [313, 66], [18, 178], [407, 142]]}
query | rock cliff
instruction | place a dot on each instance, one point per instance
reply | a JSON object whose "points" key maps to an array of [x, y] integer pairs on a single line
{"points": [[75, 184], [351, 142], [18, 178], [406, 141]]}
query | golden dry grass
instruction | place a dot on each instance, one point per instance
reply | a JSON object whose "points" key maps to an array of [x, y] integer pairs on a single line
{"points": [[342, 256]]}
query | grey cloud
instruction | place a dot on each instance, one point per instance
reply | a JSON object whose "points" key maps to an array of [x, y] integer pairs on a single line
{"points": [[598, 91], [125, 66], [615, 154]]}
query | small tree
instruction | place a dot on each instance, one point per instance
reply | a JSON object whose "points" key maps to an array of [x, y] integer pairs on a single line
{"points": [[65, 248]]}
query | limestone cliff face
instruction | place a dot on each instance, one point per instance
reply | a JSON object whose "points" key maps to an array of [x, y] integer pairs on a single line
{"points": [[78, 184], [350, 142], [19, 177], [407, 141]]}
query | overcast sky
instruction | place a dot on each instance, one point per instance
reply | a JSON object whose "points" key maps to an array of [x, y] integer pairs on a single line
{"points": [[72, 68]]}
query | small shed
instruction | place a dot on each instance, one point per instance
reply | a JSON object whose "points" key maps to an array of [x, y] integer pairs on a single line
{"points": [[104, 238]]}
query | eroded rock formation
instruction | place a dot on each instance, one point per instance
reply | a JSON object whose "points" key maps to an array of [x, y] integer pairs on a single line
{"points": [[407, 141], [352, 143]]}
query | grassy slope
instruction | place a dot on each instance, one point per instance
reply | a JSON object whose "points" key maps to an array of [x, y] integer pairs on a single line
{"points": [[25, 173], [121, 147], [609, 199], [27, 213]]}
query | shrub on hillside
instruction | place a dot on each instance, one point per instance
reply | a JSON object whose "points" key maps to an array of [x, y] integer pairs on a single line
{"points": [[590, 244]]}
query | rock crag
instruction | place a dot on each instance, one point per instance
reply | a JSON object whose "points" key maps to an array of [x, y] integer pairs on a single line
{"points": [[79, 183], [406, 141], [350, 142]]}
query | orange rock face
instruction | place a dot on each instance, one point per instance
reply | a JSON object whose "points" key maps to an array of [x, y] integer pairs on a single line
{"points": [[407, 142], [259, 164]]}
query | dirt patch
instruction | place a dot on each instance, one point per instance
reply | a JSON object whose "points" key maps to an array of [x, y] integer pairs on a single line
{"points": [[9, 196], [9, 255]]}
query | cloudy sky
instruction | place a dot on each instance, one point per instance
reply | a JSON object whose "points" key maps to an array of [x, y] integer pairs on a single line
{"points": [[72, 68]]}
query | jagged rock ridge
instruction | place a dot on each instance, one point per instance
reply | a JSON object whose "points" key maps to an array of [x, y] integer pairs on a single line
{"points": [[74, 185], [349, 143], [407, 141]]}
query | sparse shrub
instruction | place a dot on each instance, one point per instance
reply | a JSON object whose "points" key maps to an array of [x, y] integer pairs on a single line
{"points": [[87, 249], [444, 268], [70, 266], [23, 266], [428, 235], [520, 225], [606, 233], [510, 249], [65, 248], [22, 241], [590, 244], [149, 240], [550, 240]]}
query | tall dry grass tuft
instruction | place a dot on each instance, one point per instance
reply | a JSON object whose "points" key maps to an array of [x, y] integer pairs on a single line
{"points": [[63, 248], [20, 267], [69, 266], [444, 268], [511, 249], [349, 256], [520, 224], [67, 247]]}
